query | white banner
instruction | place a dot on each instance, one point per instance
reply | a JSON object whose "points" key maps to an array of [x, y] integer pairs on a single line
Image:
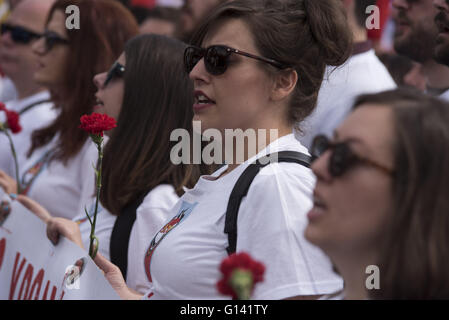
{"points": [[32, 268]]}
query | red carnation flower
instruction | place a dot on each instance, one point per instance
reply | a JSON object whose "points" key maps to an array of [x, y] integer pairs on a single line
{"points": [[12, 119], [240, 275], [96, 124]]}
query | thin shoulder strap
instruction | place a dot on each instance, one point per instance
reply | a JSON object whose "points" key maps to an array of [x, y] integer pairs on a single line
{"points": [[29, 107], [244, 182]]}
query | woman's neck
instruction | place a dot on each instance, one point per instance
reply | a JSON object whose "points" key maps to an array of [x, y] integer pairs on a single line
{"points": [[354, 268], [237, 153]]}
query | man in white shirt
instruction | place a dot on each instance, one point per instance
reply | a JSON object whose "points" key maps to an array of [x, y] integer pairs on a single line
{"points": [[17, 60], [442, 47], [415, 37], [362, 73]]}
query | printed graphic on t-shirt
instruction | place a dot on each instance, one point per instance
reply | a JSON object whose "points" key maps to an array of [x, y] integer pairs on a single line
{"points": [[185, 210], [32, 173]]}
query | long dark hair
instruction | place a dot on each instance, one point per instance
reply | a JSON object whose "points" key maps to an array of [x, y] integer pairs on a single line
{"points": [[158, 99], [105, 26], [414, 257], [305, 34]]}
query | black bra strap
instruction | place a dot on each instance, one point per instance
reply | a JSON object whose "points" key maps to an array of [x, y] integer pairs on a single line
{"points": [[244, 182]]}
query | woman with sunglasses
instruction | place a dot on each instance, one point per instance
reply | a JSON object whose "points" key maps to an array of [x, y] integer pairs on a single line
{"points": [[380, 202], [138, 92], [249, 76], [59, 162]]}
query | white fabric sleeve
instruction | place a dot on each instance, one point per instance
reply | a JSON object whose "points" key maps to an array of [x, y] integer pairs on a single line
{"points": [[271, 223]]}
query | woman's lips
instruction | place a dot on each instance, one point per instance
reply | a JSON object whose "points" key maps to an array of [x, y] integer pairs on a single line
{"points": [[202, 101], [442, 36], [40, 65], [315, 213], [202, 106], [98, 108], [319, 208]]}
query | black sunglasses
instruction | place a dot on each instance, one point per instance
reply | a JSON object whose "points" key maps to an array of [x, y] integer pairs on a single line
{"points": [[19, 34], [342, 158], [117, 71], [52, 38], [216, 58]]}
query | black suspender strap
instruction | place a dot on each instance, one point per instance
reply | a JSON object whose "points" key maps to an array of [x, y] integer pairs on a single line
{"points": [[244, 182], [121, 232], [29, 107]]}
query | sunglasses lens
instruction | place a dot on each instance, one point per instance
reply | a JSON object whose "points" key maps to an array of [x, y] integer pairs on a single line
{"points": [[319, 146], [217, 60], [49, 42], [342, 158], [192, 56], [18, 35], [116, 71]]}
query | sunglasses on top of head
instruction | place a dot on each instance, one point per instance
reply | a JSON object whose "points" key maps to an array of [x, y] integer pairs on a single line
{"points": [[117, 71], [19, 34], [51, 39], [342, 158], [216, 58]]}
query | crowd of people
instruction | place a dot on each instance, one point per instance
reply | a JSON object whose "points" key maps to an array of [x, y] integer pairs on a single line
{"points": [[361, 133]]}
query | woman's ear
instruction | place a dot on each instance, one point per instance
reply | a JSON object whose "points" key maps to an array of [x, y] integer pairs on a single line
{"points": [[284, 84]]}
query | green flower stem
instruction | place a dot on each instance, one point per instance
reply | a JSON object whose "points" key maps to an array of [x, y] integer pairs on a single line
{"points": [[93, 248], [16, 163]]}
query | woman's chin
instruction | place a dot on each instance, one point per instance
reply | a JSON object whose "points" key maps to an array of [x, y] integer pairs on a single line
{"points": [[42, 80]]}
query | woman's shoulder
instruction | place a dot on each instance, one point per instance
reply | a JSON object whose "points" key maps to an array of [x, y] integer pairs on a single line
{"points": [[161, 196], [278, 176]]}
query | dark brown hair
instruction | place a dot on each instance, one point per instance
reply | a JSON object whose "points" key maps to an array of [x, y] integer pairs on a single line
{"points": [[158, 99], [105, 26], [168, 14], [304, 34], [414, 257]]}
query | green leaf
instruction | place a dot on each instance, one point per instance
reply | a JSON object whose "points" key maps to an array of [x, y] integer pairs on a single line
{"points": [[88, 217]]}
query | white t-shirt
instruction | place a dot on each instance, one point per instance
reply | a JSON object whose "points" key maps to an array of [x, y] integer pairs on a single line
{"points": [[445, 96], [8, 91], [37, 117], [58, 187], [184, 258], [362, 74], [170, 3], [151, 215]]}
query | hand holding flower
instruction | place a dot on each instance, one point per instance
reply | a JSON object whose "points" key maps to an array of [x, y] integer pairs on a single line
{"points": [[8, 184], [95, 124]]}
